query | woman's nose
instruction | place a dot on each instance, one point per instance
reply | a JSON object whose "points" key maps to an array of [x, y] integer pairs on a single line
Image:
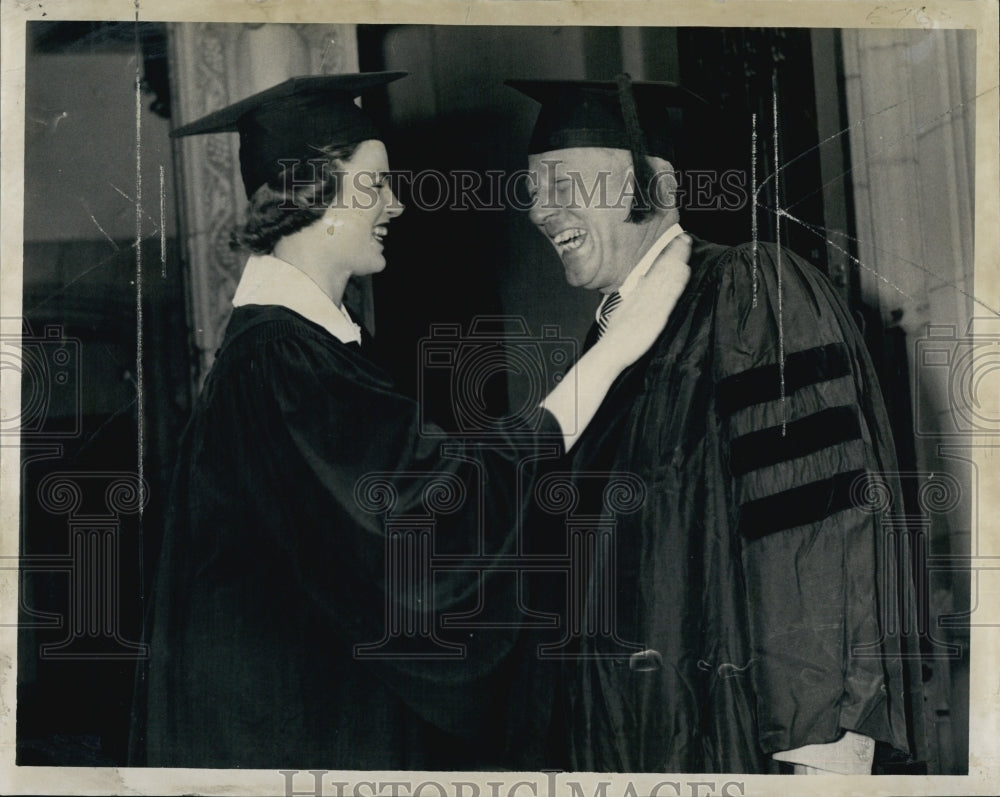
{"points": [[393, 206]]}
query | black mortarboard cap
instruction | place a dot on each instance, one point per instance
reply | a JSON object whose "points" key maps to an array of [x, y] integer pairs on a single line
{"points": [[590, 113], [293, 121], [643, 117]]}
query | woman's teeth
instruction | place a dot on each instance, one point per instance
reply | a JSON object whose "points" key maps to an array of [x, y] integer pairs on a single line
{"points": [[380, 232], [568, 240]]}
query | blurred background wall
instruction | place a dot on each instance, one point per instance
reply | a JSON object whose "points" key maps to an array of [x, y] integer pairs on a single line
{"points": [[82, 549]]}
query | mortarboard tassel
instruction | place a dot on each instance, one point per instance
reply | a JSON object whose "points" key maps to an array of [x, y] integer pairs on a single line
{"points": [[641, 206]]}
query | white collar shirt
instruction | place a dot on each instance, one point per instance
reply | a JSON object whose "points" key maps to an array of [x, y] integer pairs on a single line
{"points": [[643, 265], [268, 280]]}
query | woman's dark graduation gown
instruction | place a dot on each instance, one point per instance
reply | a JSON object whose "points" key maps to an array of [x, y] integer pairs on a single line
{"points": [[274, 568]]}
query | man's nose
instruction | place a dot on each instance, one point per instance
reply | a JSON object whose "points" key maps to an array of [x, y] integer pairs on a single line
{"points": [[540, 210]]}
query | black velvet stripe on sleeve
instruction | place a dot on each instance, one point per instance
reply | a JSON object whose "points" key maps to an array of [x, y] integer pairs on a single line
{"points": [[802, 368], [808, 503], [803, 436]]}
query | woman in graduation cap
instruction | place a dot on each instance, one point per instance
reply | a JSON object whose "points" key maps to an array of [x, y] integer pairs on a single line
{"points": [[290, 626]]}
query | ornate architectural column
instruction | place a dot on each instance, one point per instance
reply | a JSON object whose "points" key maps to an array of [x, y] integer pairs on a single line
{"points": [[911, 105], [912, 157]]}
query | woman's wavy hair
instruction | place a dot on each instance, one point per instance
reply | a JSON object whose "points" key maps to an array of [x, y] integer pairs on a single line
{"points": [[281, 207]]}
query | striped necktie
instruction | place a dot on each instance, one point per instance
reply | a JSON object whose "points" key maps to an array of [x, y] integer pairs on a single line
{"points": [[610, 304]]}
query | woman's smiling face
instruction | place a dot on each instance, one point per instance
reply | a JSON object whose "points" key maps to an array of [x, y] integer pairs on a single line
{"points": [[357, 222]]}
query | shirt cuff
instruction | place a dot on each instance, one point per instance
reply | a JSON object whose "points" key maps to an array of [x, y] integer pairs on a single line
{"points": [[851, 754]]}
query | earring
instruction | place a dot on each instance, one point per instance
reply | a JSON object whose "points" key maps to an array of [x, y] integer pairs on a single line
{"points": [[330, 230]]}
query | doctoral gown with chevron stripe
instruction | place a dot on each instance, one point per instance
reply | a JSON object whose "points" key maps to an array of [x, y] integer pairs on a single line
{"points": [[754, 592]]}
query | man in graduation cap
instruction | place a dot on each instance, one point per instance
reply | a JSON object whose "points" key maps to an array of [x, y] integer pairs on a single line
{"points": [[752, 622]]}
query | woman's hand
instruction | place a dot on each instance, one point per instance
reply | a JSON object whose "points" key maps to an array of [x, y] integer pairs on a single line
{"points": [[643, 313], [633, 328]]}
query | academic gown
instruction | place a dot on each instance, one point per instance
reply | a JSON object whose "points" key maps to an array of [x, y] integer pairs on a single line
{"points": [[747, 590], [274, 568]]}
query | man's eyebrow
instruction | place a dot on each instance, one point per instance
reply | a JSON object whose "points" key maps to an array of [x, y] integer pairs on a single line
{"points": [[550, 170]]}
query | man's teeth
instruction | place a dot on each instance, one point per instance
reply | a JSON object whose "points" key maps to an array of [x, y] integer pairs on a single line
{"points": [[568, 240], [380, 232]]}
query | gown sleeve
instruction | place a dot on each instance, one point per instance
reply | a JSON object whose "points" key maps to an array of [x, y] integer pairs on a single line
{"points": [[802, 442], [304, 454]]}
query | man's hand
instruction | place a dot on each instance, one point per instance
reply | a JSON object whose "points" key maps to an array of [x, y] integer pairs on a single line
{"points": [[852, 754], [643, 313]]}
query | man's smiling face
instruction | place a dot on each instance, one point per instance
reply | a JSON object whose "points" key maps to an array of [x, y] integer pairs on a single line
{"points": [[581, 204]]}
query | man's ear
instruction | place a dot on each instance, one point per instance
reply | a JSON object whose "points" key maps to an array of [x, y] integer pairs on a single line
{"points": [[663, 192]]}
